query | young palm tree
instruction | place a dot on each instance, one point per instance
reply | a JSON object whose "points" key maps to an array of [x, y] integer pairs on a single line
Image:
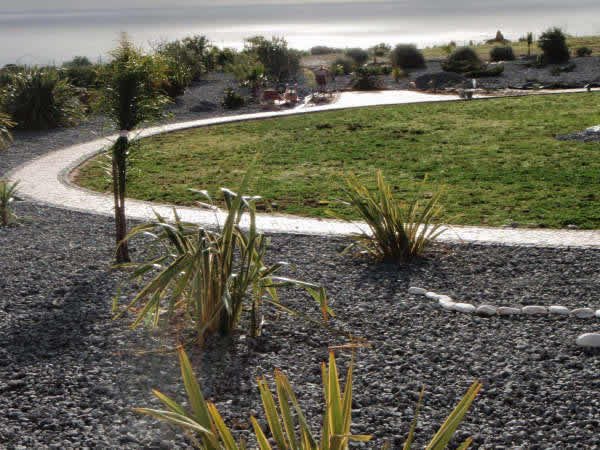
{"points": [[131, 98]]}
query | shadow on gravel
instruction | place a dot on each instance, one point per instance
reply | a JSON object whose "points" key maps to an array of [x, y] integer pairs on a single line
{"points": [[62, 324]]}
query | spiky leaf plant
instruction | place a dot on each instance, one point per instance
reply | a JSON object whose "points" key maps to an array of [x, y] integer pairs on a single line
{"points": [[398, 232], [5, 125], [287, 424], [7, 195], [210, 276]]}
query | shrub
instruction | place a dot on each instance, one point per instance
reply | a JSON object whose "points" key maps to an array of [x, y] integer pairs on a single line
{"points": [[80, 72], [486, 71], [407, 57], [358, 55], [553, 44], [205, 422], [232, 100], [398, 74], [367, 78], [462, 60], [398, 233], [7, 196], [5, 125], [280, 62], [342, 65], [38, 99], [380, 50], [205, 275], [324, 50], [584, 51], [502, 54], [557, 70], [386, 70], [225, 57], [248, 72]]}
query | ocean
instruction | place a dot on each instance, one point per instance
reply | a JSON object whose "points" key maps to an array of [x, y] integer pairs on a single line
{"points": [[52, 37]]}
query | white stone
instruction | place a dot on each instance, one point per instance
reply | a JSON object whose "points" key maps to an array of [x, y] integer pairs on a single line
{"points": [[534, 309], [487, 310], [433, 295], [464, 308], [557, 309], [448, 305], [598, 314], [583, 313], [508, 311], [446, 297], [417, 290], [589, 340]]}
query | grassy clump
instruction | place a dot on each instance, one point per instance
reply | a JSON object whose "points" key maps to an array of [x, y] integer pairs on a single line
{"points": [[37, 99], [583, 51], [358, 55], [407, 57], [8, 191], [498, 159], [342, 65]]}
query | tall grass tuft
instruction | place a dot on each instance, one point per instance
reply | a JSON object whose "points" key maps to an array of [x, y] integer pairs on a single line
{"points": [[287, 423], [7, 196], [398, 232], [38, 99], [209, 277], [5, 136]]}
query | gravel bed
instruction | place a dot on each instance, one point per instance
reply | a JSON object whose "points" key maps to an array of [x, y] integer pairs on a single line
{"points": [[70, 375]]}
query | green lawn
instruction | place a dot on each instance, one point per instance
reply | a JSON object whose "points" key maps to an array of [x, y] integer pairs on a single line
{"points": [[497, 159]]}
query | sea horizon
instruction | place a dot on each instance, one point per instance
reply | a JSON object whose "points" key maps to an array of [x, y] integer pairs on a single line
{"points": [[39, 37]]}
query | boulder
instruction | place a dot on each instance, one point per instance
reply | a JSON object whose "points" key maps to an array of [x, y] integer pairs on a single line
{"points": [[439, 80], [532, 310], [583, 313], [487, 310], [417, 290], [557, 309], [589, 340]]}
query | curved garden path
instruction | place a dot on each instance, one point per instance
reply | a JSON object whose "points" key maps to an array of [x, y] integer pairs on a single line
{"points": [[46, 179]]}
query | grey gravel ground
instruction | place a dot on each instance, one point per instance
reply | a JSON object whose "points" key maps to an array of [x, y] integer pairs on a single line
{"points": [[70, 376]]}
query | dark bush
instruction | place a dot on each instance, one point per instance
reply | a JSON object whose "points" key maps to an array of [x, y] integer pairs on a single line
{"points": [[553, 44], [386, 70], [367, 79], [342, 64], [462, 60], [358, 55], [502, 54], [584, 51], [557, 70], [324, 50], [232, 100], [225, 57], [38, 99], [439, 80], [83, 76], [486, 71], [407, 57]]}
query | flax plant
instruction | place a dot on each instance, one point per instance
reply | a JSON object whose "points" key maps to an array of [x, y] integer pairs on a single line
{"points": [[210, 276], [287, 424], [398, 232], [7, 195]]}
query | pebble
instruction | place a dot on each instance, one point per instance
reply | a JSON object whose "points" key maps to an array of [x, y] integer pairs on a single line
{"points": [[598, 314], [557, 309], [464, 308], [589, 340], [446, 304], [583, 313], [432, 295], [487, 310], [417, 290], [535, 309], [507, 311]]}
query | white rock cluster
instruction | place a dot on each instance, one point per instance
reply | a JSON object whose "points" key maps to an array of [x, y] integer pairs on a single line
{"points": [[591, 340]]}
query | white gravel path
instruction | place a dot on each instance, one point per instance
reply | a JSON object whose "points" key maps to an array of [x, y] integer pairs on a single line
{"points": [[46, 180]]}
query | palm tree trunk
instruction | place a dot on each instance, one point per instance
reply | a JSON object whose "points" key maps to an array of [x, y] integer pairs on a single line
{"points": [[119, 171]]}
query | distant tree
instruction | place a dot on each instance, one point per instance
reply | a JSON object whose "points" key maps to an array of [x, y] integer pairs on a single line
{"points": [[553, 43], [380, 50], [279, 61], [529, 39], [358, 55]]}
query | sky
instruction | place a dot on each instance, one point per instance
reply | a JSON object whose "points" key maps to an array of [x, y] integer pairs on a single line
{"points": [[30, 5]]}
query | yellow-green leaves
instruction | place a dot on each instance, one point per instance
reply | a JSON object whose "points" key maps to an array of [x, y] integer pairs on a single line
{"points": [[398, 232], [7, 195], [5, 136]]}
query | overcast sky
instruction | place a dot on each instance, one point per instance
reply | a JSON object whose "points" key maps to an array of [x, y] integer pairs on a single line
{"points": [[28, 5]]}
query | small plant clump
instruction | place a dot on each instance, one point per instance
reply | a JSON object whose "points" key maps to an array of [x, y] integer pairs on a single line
{"points": [[583, 51], [232, 100], [504, 53], [398, 74], [342, 65], [367, 78], [407, 57], [5, 136], [287, 424], [553, 43]]}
